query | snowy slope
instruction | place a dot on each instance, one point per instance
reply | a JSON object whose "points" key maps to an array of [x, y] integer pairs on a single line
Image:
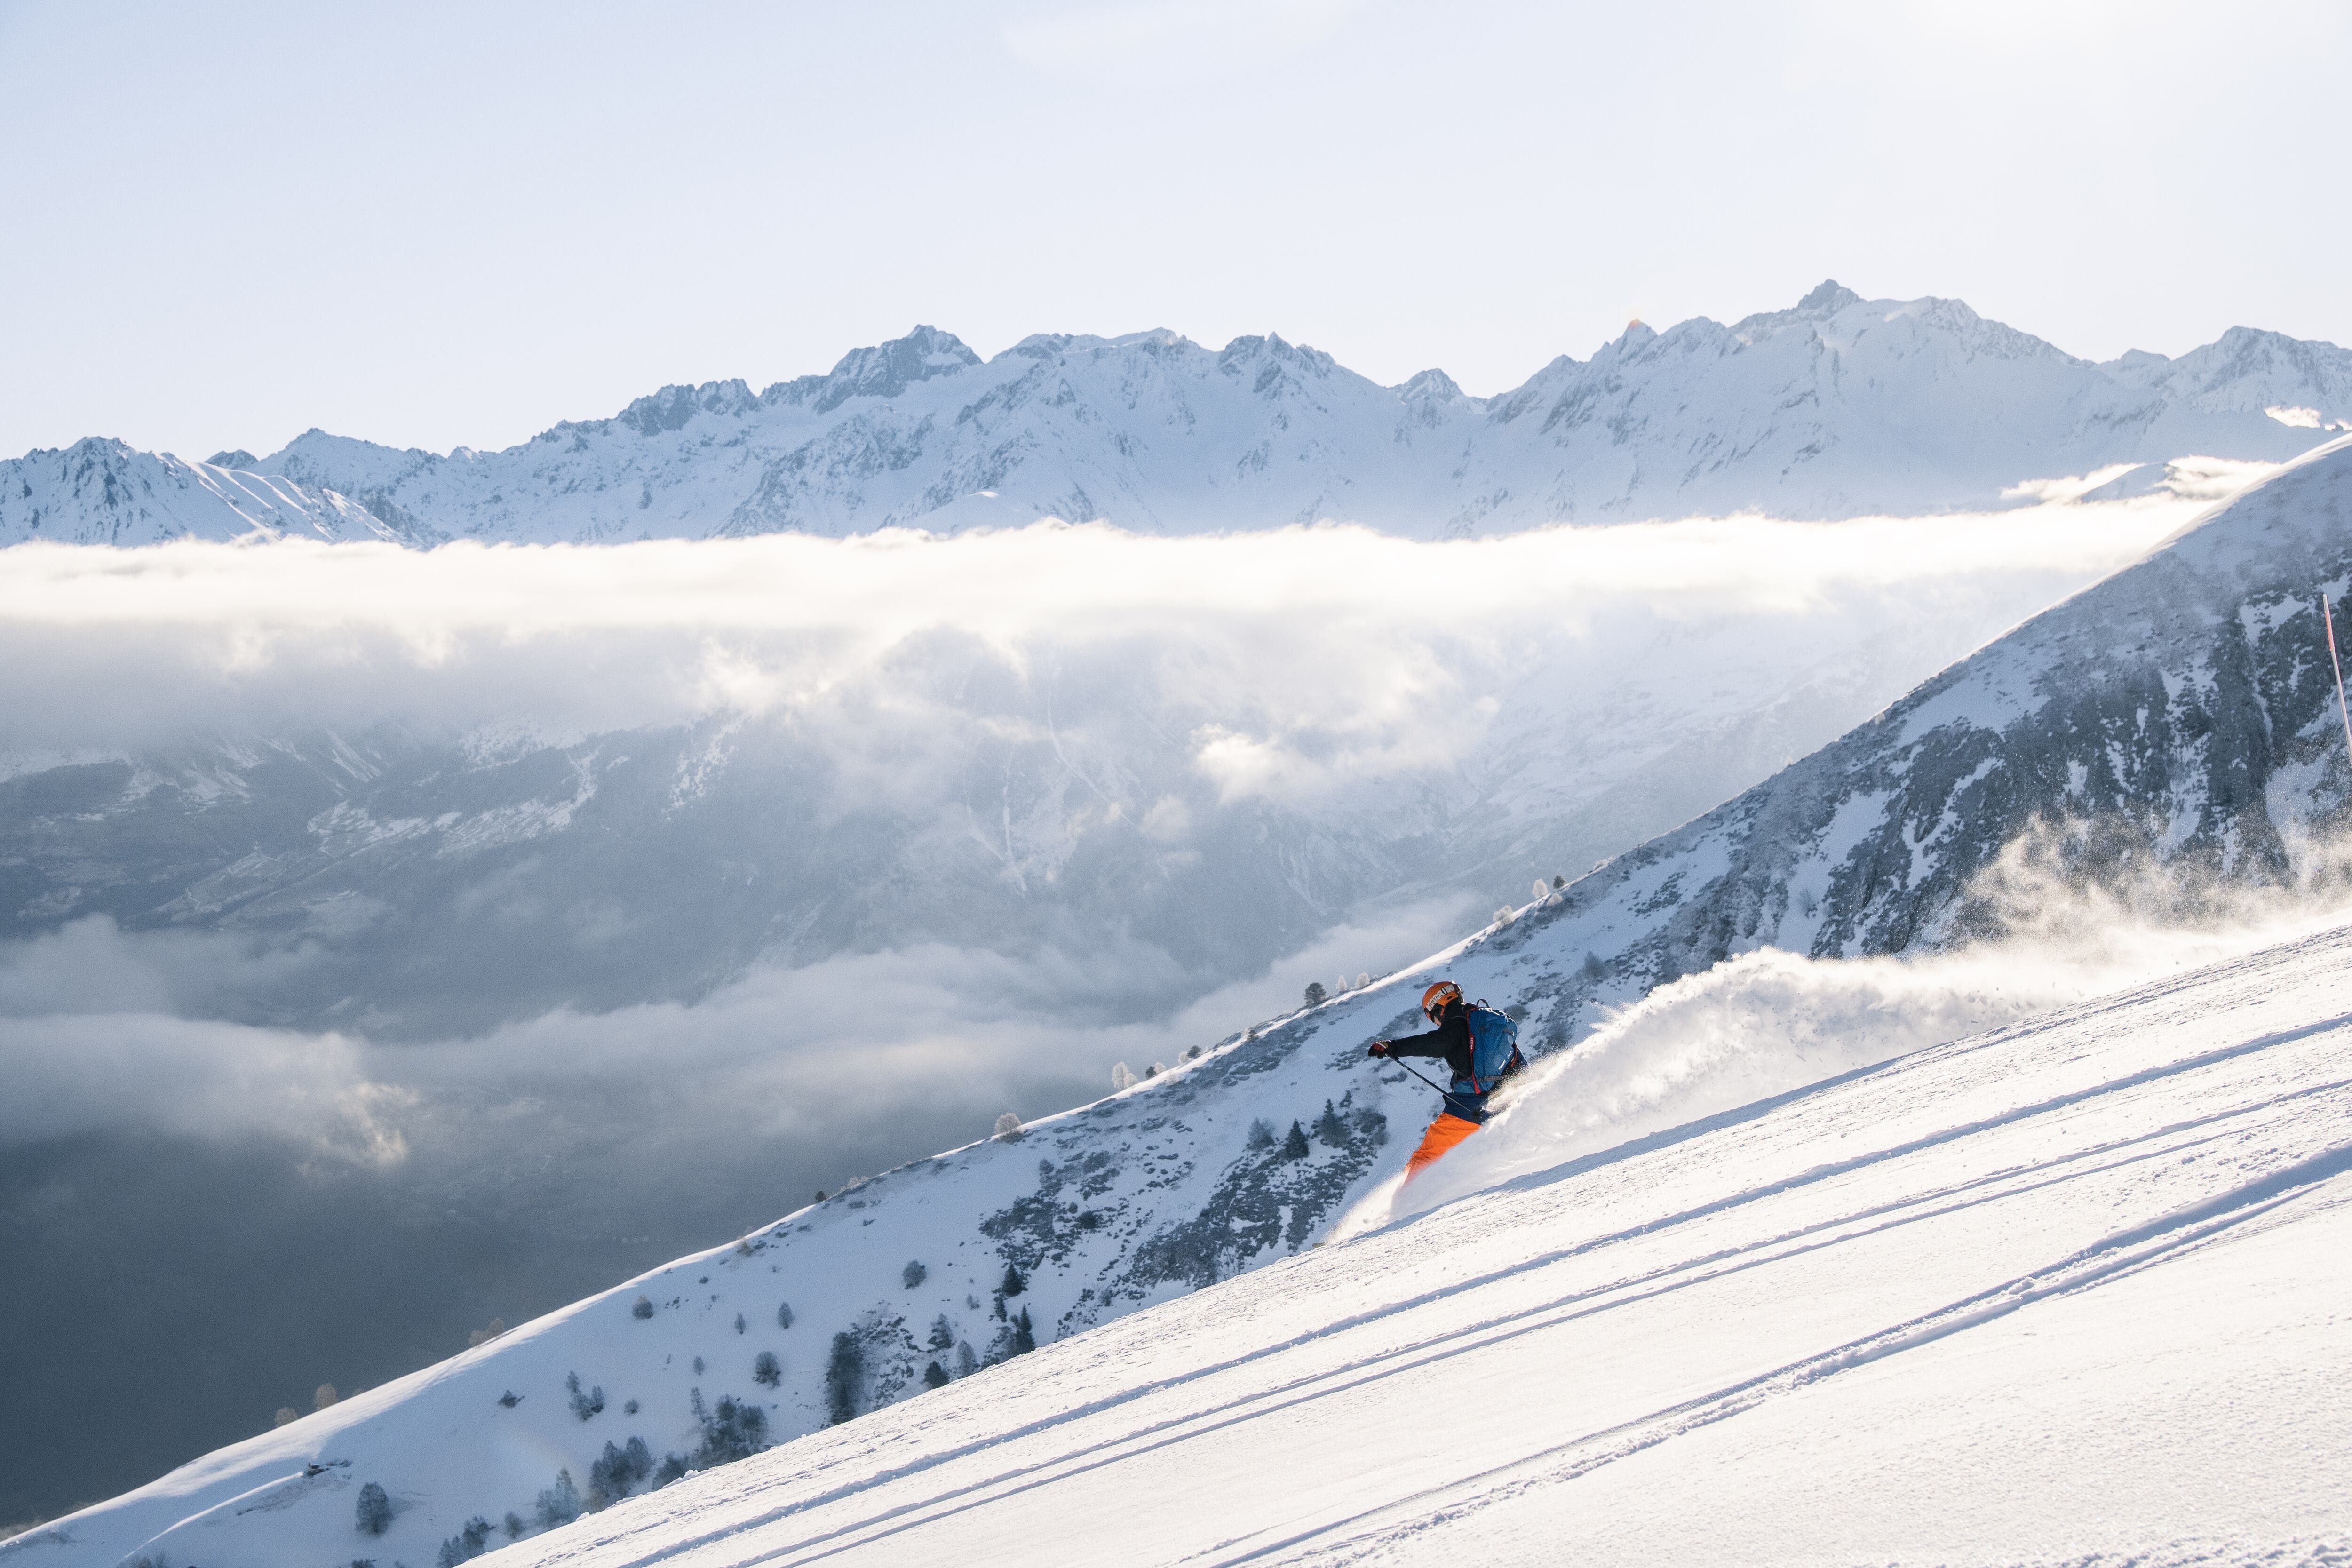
{"points": [[2071, 1286], [1835, 408], [100, 492], [1144, 1197]]}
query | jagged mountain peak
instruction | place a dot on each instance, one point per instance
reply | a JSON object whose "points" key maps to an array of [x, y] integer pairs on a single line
{"points": [[1829, 298], [1639, 335], [673, 406], [1431, 386], [888, 369], [1158, 340], [2136, 359]]}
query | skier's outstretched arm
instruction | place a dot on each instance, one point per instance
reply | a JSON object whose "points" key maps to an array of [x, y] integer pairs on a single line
{"points": [[1430, 1043]]}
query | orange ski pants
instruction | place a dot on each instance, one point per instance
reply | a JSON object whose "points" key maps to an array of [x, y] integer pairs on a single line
{"points": [[1444, 1134]]}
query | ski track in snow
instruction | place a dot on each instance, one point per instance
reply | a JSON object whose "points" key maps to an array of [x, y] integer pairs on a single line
{"points": [[1456, 1373]]}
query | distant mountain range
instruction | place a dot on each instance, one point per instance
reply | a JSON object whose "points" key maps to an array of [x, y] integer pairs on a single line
{"points": [[1838, 406]]}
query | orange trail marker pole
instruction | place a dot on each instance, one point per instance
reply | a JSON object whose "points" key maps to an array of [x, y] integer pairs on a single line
{"points": [[2335, 660]]}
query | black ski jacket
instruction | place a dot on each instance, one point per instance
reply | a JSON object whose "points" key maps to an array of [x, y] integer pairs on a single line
{"points": [[1449, 1039]]}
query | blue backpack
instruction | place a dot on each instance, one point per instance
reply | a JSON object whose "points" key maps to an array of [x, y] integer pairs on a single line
{"points": [[1493, 1049]]}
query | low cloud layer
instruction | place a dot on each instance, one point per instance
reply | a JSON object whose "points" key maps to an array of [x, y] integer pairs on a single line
{"points": [[1309, 649], [106, 1030], [1351, 677]]}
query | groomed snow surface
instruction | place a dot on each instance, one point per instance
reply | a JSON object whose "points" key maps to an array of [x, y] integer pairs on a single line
{"points": [[2077, 1291]]}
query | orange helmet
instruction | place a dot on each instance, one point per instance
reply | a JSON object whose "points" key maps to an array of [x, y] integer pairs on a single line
{"points": [[1435, 999]]}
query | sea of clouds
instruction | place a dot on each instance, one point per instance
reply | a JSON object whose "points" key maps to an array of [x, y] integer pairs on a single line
{"points": [[1331, 672]]}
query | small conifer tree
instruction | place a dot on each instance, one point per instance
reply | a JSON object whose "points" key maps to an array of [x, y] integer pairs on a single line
{"points": [[935, 1375], [373, 1516], [1294, 1142], [586, 1405], [1316, 995], [1014, 1283], [912, 1275], [766, 1369], [1008, 1127], [942, 1334], [642, 1307], [466, 1545], [1329, 1129], [1122, 1077], [844, 1372], [736, 1430], [1025, 1338], [617, 1472], [784, 1314], [559, 1504], [1260, 1133]]}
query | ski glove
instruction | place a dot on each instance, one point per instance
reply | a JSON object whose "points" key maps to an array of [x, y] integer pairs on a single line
{"points": [[1377, 1048]]}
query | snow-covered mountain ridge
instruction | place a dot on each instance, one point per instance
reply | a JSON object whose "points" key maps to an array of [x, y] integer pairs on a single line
{"points": [[100, 491], [2178, 719], [1838, 406]]}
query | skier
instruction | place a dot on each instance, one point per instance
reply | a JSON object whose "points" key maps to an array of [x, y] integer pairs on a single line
{"points": [[1479, 1044]]}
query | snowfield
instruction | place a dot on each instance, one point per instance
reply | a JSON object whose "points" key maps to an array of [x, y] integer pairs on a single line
{"points": [[2073, 1290], [2075, 1287]]}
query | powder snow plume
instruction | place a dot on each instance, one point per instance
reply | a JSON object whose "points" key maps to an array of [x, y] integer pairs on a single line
{"points": [[1765, 1023]]}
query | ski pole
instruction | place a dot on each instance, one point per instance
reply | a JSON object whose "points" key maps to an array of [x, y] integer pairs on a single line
{"points": [[1424, 1077], [1447, 1094]]}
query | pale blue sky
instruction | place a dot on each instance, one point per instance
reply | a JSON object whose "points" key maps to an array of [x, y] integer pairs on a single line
{"points": [[437, 224]]}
